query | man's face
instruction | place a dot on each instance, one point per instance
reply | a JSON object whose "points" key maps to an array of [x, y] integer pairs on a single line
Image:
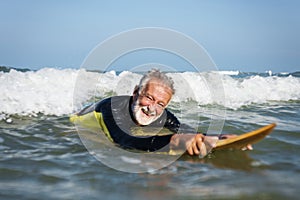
{"points": [[151, 102]]}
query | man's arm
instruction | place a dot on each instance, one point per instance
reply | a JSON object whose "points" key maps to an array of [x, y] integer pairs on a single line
{"points": [[186, 138]]}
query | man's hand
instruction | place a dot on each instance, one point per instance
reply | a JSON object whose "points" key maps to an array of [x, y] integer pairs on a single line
{"points": [[198, 144], [194, 144]]}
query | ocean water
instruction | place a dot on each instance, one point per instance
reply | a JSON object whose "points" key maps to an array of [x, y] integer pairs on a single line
{"points": [[43, 157]]}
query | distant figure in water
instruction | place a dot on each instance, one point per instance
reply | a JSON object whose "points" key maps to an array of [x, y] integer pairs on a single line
{"points": [[137, 121]]}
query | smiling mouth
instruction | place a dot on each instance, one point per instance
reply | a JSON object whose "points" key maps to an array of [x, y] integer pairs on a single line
{"points": [[147, 112]]}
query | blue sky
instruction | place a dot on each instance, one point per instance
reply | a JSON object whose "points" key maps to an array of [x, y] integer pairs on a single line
{"points": [[239, 35]]}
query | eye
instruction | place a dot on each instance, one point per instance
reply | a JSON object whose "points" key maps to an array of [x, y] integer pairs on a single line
{"points": [[161, 105], [149, 97]]}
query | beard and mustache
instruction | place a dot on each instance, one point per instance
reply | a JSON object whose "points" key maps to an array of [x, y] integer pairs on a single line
{"points": [[144, 115]]}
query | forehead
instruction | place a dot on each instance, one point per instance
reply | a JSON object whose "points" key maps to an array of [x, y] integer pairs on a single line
{"points": [[158, 90]]}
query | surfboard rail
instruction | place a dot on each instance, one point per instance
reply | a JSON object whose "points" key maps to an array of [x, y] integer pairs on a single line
{"points": [[243, 140]]}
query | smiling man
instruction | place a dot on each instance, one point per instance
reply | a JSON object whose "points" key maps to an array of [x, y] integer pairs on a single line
{"points": [[143, 122], [151, 97]]}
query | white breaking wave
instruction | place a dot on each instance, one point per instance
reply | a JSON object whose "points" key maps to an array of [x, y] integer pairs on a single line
{"points": [[229, 72], [59, 92], [48, 91]]}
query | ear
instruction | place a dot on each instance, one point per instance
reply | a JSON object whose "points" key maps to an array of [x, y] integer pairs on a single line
{"points": [[135, 91]]}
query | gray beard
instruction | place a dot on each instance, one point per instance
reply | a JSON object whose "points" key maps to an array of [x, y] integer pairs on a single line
{"points": [[139, 112]]}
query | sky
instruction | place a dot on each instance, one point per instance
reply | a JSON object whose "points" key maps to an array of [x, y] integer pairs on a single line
{"points": [[250, 36]]}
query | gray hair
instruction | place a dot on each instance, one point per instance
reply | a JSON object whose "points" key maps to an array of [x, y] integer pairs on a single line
{"points": [[158, 75]]}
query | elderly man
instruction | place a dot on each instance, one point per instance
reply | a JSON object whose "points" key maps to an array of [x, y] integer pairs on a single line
{"points": [[143, 122]]}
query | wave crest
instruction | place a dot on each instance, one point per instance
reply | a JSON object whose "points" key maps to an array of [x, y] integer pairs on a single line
{"points": [[52, 91]]}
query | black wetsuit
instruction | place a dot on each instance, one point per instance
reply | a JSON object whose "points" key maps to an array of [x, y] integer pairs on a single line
{"points": [[118, 118]]}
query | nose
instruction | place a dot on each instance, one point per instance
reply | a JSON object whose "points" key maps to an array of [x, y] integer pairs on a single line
{"points": [[152, 107]]}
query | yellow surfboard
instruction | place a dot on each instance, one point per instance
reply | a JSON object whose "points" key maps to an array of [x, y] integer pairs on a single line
{"points": [[243, 140]]}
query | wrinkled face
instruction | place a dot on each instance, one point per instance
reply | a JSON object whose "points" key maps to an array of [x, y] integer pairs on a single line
{"points": [[151, 102]]}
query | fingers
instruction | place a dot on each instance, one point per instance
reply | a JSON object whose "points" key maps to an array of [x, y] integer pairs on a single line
{"points": [[190, 146], [199, 147], [196, 145], [248, 147], [203, 150], [190, 150]]}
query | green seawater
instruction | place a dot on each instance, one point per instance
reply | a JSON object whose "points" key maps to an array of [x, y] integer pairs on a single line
{"points": [[43, 157]]}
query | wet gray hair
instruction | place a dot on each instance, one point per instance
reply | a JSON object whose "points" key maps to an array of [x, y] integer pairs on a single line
{"points": [[157, 75]]}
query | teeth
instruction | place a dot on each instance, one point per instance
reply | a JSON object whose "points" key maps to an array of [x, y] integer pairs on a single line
{"points": [[148, 112], [145, 111]]}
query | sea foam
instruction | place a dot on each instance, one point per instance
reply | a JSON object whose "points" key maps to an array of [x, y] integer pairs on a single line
{"points": [[63, 91]]}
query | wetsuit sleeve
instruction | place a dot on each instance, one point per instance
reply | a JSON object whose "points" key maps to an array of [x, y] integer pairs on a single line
{"points": [[152, 143]]}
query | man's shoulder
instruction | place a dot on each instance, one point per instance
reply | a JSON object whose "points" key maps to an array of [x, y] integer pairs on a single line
{"points": [[170, 114], [115, 101]]}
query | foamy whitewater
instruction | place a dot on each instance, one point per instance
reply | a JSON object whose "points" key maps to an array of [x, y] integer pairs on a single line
{"points": [[62, 91]]}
